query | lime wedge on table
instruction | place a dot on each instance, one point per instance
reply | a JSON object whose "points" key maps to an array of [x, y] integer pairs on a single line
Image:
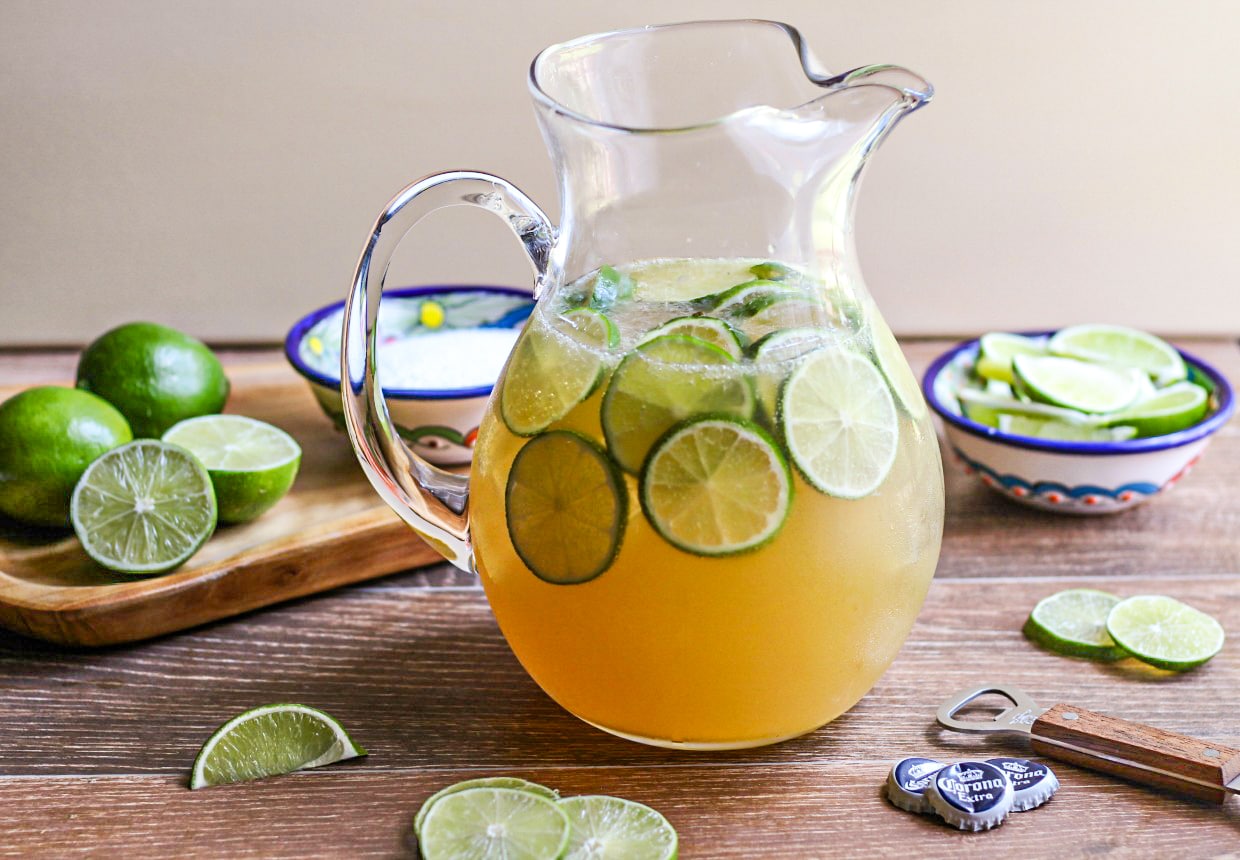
{"points": [[1074, 622], [773, 357], [513, 782], [494, 824], [661, 383], [611, 828], [252, 464], [1063, 431], [566, 505], [1073, 384], [840, 424], [271, 740], [997, 349], [891, 361], [716, 486], [713, 331], [986, 408], [1164, 632], [1174, 408], [143, 508], [1125, 347], [552, 371]]}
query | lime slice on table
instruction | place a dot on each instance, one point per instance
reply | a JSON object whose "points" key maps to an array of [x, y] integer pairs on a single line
{"points": [[1126, 347], [716, 486], [773, 357], [1074, 622], [713, 331], [986, 408], [839, 421], [566, 505], [661, 383], [252, 464], [1174, 408], [612, 828], [494, 824], [269, 741], [143, 508], [1073, 384], [891, 361], [552, 371], [996, 351], [1164, 632], [1063, 431], [513, 782]]}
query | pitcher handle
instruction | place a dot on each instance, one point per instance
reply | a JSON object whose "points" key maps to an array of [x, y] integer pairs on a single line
{"points": [[433, 501]]}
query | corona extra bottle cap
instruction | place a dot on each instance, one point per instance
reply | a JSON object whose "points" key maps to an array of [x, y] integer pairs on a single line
{"points": [[971, 795], [1033, 782], [906, 784]]}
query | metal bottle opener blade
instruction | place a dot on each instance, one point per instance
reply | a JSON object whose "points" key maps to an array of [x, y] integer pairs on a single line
{"points": [[1129, 750]]}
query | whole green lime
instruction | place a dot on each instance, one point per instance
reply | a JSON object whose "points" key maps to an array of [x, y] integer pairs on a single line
{"points": [[48, 436], [155, 375]]}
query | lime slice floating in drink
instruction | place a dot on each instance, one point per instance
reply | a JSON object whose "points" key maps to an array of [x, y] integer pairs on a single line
{"points": [[716, 486], [839, 422], [996, 351], [890, 360], [1125, 347], [611, 828], [143, 508], [661, 383], [494, 824], [1167, 411], [550, 372], [774, 356], [1072, 384], [269, 741], [713, 331], [513, 782], [252, 464], [1164, 632], [566, 505], [1063, 431], [1074, 622]]}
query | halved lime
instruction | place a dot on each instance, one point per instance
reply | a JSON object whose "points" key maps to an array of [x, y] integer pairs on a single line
{"points": [[1126, 347], [1174, 408], [713, 331], [252, 464], [1074, 384], [269, 741], [1164, 632], [661, 383], [143, 508], [513, 782], [494, 824], [552, 371], [612, 828], [891, 361], [1064, 431], [997, 349], [566, 505], [1074, 622], [986, 408], [773, 357], [839, 421], [716, 486]]}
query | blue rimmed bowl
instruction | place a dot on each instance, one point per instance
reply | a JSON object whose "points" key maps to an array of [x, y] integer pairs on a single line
{"points": [[440, 423], [1071, 477]]}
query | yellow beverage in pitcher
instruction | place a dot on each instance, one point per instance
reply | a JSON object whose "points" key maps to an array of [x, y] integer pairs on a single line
{"points": [[707, 500]]}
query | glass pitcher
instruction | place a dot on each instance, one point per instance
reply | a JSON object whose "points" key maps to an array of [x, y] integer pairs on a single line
{"points": [[706, 500]]}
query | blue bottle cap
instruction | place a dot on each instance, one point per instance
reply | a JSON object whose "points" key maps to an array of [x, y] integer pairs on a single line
{"points": [[1033, 782], [907, 782], [971, 795]]}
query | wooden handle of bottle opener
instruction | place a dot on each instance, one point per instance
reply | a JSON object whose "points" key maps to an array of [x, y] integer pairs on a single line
{"points": [[1135, 752]]}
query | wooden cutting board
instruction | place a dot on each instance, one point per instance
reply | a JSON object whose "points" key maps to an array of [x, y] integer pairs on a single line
{"points": [[330, 530]]}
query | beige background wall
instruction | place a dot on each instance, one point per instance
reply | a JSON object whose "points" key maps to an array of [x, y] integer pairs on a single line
{"points": [[214, 164]]}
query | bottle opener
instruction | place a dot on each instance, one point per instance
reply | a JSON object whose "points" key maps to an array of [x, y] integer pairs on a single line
{"points": [[1091, 740]]}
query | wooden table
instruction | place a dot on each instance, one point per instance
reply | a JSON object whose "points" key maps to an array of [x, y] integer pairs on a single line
{"points": [[95, 746]]}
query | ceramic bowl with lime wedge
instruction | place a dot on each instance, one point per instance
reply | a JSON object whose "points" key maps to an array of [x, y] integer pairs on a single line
{"points": [[1091, 419]]}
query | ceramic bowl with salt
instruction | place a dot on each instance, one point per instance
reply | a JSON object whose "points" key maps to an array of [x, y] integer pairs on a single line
{"points": [[441, 348]]}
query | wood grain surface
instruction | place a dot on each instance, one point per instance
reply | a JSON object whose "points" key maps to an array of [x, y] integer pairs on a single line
{"points": [[95, 746]]}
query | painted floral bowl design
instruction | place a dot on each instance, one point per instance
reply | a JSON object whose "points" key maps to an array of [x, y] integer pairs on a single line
{"points": [[439, 423], [1071, 477]]}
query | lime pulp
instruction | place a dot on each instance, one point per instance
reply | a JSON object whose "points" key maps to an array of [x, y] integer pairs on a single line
{"points": [[1164, 632], [996, 351], [1074, 622], [494, 824], [1072, 384], [611, 828], [1122, 347], [513, 782]]}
